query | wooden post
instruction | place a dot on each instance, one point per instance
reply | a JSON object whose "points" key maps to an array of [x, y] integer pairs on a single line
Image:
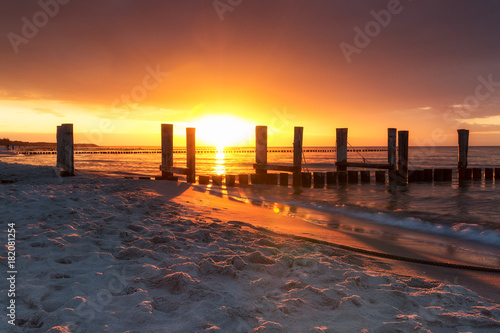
{"points": [[69, 149], [477, 173], [59, 162], [298, 135], [261, 150], [243, 179], [447, 175], [391, 151], [488, 173], [342, 177], [380, 176], [438, 175], [463, 149], [65, 152], [415, 176], [272, 179], [230, 180], [427, 175], [365, 176], [203, 180], [217, 180], [319, 179], [352, 177], [403, 155], [167, 148], [341, 148], [331, 178], [190, 151], [306, 179], [284, 179]]}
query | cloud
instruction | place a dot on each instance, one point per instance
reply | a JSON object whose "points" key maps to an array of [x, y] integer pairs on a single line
{"points": [[48, 111]]}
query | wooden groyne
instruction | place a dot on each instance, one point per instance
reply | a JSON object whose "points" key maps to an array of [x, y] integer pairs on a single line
{"points": [[395, 171], [198, 151]]}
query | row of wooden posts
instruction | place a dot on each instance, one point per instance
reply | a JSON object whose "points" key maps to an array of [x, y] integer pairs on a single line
{"points": [[322, 179], [396, 166]]}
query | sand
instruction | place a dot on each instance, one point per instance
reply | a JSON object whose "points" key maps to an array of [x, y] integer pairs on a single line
{"points": [[98, 254]]}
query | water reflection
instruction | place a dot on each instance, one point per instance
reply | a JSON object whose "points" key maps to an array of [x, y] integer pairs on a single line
{"points": [[219, 167]]}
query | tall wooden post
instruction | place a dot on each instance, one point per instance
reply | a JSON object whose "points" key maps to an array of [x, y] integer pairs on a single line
{"points": [[261, 150], [65, 151], [167, 148], [463, 149], [59, 161], [341, 148], [391, 151], [190, 151], [403, 155], [297, 155]]}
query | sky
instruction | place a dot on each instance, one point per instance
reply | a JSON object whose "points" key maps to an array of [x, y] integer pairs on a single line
{"points": [[117, 69]]}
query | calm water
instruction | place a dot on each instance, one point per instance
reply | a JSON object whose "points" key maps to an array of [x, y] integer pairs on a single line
{"points": [[470, 210]]}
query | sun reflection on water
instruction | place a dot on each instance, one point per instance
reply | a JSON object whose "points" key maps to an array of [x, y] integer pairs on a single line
{"points": [[220, 160]]}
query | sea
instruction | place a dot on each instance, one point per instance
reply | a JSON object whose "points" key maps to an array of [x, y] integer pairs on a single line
{"points": [[467, 210]]}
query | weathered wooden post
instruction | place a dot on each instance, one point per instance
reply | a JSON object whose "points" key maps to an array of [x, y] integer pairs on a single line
{"points": [[447, 175], [59, 157], [230, 180], [298, 135], [331, 178], [488, 173], [341, 148], [427, 175], [391, 152], [167, 148], [463, 149], [319, 179], [65, 151], [342, 177], [217, 180], [380, 176], [477, 173], [243, 179], [261, 152], [403, 155], [284, 179], [353, 177], [203, 180], [438, 175], [365, 176], [306, 179], [190, 151]]}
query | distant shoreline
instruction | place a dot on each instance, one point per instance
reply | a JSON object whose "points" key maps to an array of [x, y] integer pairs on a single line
{"points": [[4, 143]]}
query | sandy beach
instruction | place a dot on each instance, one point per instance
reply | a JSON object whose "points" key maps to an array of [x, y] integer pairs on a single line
{"points": [[97, 254]]}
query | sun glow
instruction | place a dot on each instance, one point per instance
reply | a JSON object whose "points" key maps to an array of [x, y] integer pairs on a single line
{"points": [[224, 131]]}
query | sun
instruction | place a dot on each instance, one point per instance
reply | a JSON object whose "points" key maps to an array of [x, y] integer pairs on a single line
{"points": [[224, 131]]}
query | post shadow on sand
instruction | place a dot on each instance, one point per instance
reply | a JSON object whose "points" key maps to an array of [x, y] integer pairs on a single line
{"points": [[170, 189]]}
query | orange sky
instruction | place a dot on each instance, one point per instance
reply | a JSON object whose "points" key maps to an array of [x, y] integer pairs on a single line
{"points": [[118, 69]]}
